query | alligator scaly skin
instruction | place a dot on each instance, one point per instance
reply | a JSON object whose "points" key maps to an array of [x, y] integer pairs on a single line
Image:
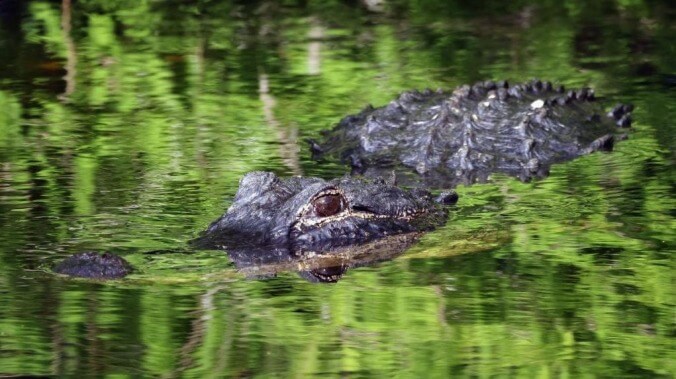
{"points": [[442, 139]]}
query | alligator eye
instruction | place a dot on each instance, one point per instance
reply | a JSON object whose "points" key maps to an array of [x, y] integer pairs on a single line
{"points": [[328, 205]]}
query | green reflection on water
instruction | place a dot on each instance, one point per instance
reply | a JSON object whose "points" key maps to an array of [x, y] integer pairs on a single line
{"points": [[165, 105]]}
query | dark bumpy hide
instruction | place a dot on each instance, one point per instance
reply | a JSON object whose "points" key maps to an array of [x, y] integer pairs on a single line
{"points": [[465, 135], [93, 265], [311, 215]]}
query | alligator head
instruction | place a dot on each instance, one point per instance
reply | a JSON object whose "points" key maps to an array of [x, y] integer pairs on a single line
{"points": [[311, 215]]}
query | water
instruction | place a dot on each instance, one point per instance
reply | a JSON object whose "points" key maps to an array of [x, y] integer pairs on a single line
{"points": [[125, 126]]}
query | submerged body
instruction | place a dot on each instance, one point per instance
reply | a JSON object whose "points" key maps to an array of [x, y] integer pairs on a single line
{"points": [[93, 265], [442, 139]]}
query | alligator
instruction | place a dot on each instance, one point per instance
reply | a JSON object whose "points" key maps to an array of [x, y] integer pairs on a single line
{"points": [[431, 139]]}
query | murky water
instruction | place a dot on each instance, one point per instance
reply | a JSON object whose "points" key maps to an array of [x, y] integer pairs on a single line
{"points": [[125, 126]]}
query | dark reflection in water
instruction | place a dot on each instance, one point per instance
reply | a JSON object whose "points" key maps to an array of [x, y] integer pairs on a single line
{"points": [[123, 127], [261, 262]]}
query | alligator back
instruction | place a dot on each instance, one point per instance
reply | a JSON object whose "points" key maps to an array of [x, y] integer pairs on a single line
{"points": [[466, 135]]}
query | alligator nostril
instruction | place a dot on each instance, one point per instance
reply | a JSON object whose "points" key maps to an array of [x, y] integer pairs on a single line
{"points": [[447, 198]]}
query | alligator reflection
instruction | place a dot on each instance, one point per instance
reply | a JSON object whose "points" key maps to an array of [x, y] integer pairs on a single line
{"points": [[261, 262], [254, 261]]}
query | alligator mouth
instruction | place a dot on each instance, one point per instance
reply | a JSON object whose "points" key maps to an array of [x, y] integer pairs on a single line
{"points": [[355, 227], [354, 214]]}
